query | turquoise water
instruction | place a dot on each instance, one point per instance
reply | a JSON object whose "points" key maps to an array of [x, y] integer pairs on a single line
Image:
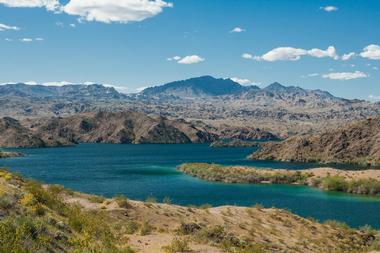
{"points": [[140, 171]]}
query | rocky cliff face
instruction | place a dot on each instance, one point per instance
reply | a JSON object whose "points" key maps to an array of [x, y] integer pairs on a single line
{"points": [[102, 127], [356, 143]]}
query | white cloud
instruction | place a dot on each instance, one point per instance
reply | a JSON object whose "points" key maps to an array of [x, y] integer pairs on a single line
{"points": [[371, 52], [8, 39], [282, 54], [174, 58], [329, 8], [294, 54], [247, 56], [4, 27], [120, 11], [374, 97], [348, 56], [345, 75], [241, 81], [140, 89], [237, 30], [190, 59], [329, 52], [31, 83], [51, 5], [26, 40], [73, 25], [107, 11], [313, 75]]}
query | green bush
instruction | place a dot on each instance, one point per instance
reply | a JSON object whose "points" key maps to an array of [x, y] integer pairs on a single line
{"points": [[146, 229], [177, 245], [122, 201]]}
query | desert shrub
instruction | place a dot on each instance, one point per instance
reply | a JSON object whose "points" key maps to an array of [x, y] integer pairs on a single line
{"points": [[188, 228], [177, 245], [334, 183], [22, 234], [131, 227], [205, 206], [44, 197], [167, 200], [96, 199], [151, 199], [6, 202], [122, 201], [146, 229], [337, 224]]}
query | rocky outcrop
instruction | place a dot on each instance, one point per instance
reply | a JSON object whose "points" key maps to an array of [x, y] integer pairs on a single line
{"points": [[357, 143], [13, 134], [10, 154], [102, 127]]}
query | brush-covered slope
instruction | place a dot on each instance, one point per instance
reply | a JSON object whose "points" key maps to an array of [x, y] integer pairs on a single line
{"points": [[49, 218], [356, 143]]}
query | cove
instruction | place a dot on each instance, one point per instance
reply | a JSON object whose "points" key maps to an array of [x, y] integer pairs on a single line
{"points": [[140, 171]]}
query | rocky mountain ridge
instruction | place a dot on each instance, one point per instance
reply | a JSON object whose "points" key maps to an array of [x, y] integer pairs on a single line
{"points": [[357, 143], [279, 109]]}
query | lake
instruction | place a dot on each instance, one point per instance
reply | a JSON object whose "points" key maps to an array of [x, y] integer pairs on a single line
{"points": [[141, 171]]}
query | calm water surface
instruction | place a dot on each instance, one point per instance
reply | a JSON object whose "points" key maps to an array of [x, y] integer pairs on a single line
{"points": [[140, 171]]}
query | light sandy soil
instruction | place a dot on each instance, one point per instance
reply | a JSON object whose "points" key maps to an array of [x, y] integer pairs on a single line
{"points": [[280, 230], [347, 174]]}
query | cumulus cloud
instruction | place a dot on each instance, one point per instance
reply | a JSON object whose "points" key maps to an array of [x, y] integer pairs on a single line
{"points": [[371, 52], [329, 8], [343, 76], [348, 56], [237, 30], [4, 27], [329, 52], [120, 11], [247, 56], [294, 54], [51, 5], [107, 11], [190, 59]]}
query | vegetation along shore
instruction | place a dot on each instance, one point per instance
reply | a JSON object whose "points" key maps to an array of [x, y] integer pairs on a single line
{"points": [[358, 182]]}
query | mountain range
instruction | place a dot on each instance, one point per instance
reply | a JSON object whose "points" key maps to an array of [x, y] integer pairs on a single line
{"points": [[220, 103]]}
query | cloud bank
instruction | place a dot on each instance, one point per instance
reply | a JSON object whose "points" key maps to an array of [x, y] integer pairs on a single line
{"points": [[106, 11], [344, 76], [294, 54]]}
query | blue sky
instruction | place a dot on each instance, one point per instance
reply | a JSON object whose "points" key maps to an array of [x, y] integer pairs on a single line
{"points": [[138, 43]]}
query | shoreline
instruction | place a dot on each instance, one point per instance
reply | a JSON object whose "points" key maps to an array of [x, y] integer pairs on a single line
{"points": [[364, 182]]}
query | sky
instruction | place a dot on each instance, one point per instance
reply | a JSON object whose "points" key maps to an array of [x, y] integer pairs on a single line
{"points": [[130, 44]]}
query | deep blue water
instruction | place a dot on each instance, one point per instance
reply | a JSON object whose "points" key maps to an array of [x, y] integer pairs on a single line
{"points": [[140, 171]]}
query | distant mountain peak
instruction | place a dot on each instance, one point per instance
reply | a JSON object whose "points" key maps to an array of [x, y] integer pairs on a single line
{"points": [[275, 87], [202, 86]]}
